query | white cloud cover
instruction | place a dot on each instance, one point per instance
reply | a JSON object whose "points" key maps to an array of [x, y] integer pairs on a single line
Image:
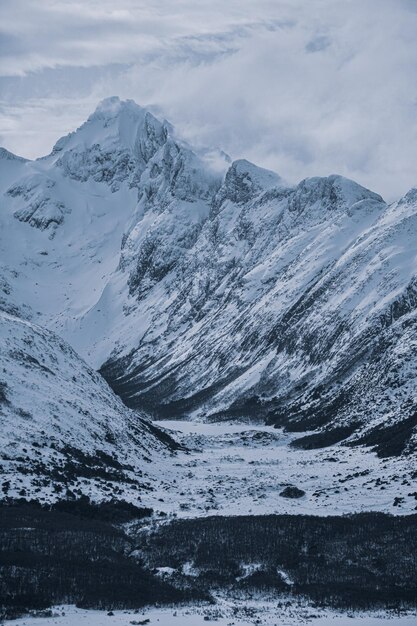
{"points": [[302, 87]]}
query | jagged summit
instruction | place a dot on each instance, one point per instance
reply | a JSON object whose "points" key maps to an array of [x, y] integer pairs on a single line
{"points": [[265, 178], [116, 124], [115, 143], [112, 106], [335, 191]]}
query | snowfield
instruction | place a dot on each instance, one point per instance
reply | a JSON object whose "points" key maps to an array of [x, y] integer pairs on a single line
{"points": [[63, 428], [240, 469], [224, 613]]}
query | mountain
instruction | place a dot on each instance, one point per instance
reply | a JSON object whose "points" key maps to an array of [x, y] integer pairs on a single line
{"points": [[217, 292], [63, 433]]}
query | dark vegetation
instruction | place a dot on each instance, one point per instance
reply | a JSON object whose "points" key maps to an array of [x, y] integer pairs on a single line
{"points": [[336, 409], [325, 438], [391, 440], [163, 437], [3, 393], [138, 392], [113, 511], [70, 464], [73, 552], [359, 561], [78, 552]]}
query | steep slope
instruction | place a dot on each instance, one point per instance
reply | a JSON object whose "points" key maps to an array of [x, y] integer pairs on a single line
{"points": [[251, 261], [364, 310], [60, 237], [63, 432], [283, 309]]}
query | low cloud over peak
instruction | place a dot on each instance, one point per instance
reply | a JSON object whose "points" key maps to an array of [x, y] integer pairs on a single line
{"points": [[301, 88]]}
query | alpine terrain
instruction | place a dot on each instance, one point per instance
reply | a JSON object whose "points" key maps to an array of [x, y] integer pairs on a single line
{"points": [[183, 336]]}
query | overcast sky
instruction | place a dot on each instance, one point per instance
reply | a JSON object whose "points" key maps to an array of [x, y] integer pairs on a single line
{"points": [[304, 87]]}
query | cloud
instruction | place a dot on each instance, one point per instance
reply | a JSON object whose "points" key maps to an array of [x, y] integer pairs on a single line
{"points": [[305, 88]]}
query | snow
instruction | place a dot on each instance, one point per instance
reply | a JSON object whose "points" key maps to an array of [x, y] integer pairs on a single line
{"points": [[165, 571], [232, 468], [53, 408], [249, 569], [195, 282], [132, 249], [114, 124], [240, 469], [259, 178], [285, 577], [224, 613]]}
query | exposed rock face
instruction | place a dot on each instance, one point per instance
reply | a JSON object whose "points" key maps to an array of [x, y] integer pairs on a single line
{"points": [[217, 295], [39, 209]]}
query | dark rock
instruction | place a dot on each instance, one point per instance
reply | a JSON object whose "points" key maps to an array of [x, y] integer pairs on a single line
{"points": [[292, 492]]}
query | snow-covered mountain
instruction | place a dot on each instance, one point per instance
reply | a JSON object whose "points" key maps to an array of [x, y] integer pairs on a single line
{"points": [[63, 432], [213, 293]]}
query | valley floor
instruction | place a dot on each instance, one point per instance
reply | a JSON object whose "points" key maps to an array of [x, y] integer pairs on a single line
{"points": [[230, 469], [241, 469], [225, 613]]}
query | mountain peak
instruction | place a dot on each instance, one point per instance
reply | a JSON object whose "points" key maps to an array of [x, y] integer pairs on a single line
{"points": [[116, 125], [244, 180], [116, 142], [112, 107], [333, 192]]}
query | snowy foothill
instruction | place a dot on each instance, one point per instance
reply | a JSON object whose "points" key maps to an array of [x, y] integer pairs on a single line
{"points": [[63, 432]]}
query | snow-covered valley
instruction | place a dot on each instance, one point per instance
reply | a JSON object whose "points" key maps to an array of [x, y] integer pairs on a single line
{"points": [[241, 469], [185, 344]]}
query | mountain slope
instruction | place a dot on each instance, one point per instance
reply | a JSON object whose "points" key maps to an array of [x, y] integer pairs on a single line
{"points": [[283, 309], [63, 431], [64, 217]]}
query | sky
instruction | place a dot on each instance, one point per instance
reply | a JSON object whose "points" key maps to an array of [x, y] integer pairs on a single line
{"points": [[303, 87]]}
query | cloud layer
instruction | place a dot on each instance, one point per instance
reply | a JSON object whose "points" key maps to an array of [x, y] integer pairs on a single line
{"points": [[304, 88]]}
